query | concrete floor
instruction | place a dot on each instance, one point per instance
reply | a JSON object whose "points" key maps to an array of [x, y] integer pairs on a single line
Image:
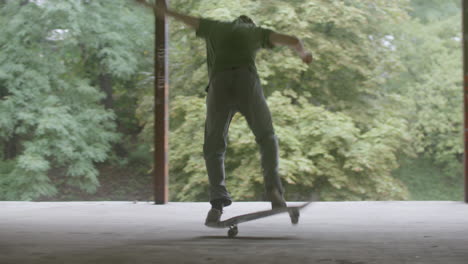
{"points": [[328, 233]]}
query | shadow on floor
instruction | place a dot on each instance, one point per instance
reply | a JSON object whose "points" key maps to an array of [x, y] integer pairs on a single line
{"points": [[245, 238]]}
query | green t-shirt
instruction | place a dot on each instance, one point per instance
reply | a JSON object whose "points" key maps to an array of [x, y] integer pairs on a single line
{"points": [[231, 44]]}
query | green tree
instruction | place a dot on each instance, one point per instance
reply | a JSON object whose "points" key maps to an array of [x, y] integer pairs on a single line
{"points": [[429, 47], [58, 63]]}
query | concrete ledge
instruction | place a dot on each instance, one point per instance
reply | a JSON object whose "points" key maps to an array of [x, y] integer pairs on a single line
{"points": [[328, 233]]}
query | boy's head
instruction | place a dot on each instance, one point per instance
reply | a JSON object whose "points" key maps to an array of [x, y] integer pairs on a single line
{"points": [[244, 19]]}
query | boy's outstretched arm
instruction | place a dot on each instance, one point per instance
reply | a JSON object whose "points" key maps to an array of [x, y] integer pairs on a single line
{"points": [[161, 10], [193, 22], [292, 42]]}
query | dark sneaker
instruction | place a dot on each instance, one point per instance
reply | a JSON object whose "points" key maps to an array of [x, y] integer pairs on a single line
{"points": [[213, 217], [276, 199]]}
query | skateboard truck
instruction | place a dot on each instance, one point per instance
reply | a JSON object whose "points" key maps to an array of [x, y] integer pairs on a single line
{"points": [[233, 230]]}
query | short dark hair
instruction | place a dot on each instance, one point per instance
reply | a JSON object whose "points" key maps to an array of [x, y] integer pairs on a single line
{"points": [[245, 19]]}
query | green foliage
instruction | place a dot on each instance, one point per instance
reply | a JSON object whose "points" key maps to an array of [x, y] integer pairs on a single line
{"points": [[426, 181], [432, 10], [51, 109], [431, 84], [189, 181]]}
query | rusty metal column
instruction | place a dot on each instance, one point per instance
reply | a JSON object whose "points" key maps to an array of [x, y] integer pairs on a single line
{"points": [[161, 101], [465, 90]]}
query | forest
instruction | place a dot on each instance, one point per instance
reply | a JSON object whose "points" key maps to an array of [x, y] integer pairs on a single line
{"points": [[376, 116]]}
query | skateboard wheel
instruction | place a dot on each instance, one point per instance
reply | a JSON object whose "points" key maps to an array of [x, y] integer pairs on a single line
{"points": [[233, 231], [294, 214]]}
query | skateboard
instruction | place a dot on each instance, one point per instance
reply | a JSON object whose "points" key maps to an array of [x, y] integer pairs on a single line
{"points": [[232, 222]]}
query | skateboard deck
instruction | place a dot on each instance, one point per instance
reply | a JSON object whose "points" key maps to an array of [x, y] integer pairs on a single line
{"points": [[232, 222]]}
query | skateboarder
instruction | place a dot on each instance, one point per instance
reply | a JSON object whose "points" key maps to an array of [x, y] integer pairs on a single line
{"points": [[234, 86]]}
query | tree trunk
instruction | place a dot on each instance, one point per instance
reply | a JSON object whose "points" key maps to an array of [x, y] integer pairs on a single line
{"points": [[10, 149], [105, 83]]}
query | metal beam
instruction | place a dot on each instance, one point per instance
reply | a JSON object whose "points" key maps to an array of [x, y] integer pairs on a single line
{"points": [[465, 91], [161, 109]]}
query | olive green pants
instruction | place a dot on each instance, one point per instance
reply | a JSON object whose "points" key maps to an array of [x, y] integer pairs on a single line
{"points": [[229, 92]]}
